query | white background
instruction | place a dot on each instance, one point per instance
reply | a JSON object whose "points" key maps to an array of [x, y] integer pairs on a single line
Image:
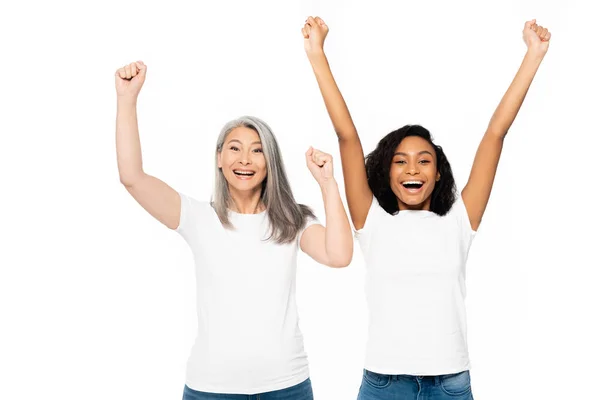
{"points": [[97, 298]]}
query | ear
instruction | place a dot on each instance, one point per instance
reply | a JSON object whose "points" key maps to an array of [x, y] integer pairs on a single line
{"points": [[438, 176], [219, 160]]}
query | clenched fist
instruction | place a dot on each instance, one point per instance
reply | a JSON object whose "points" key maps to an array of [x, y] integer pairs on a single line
{"points": [[536, 37], [314, 33], [320, 165], [129, 79]]}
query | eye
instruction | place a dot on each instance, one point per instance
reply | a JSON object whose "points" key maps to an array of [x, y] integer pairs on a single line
{"points": [[257, 150], [234, 148], [424, 161], [400, 162]]}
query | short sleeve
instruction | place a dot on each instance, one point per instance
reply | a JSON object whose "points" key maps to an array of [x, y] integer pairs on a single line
{"points": [[309, 222], [459, 213], [188, 216], [373, 216]]}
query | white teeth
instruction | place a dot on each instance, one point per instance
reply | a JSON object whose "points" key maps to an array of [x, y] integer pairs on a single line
{"points": [[412, 182], [244, 172]]}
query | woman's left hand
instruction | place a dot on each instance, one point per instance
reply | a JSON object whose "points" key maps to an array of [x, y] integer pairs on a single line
{"points": [[320, 165]]}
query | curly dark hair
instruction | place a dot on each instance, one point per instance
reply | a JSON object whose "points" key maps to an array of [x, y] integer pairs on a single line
{"points": [[379, 161]]}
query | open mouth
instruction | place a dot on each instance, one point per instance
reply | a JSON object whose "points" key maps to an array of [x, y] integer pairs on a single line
{"points": [[413, 186], [243, 174]]}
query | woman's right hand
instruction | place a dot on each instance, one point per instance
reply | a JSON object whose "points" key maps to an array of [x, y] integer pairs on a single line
{"points": [[129, 80], [536, 38], [314, 33]]}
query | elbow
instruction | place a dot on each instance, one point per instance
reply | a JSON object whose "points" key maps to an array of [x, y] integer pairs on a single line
{"points": [[497, 132], [343, 263], [125, 181], [129, 179], [499, 135], [341, 260], [345, 136], [339, 264]]}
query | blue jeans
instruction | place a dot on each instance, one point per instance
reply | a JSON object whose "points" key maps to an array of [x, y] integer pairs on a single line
{"points": [[301, 391], [408, 387]]}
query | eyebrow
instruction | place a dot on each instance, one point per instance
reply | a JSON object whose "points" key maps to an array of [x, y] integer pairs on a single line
{"points": [[406, 155], [235, 140]]}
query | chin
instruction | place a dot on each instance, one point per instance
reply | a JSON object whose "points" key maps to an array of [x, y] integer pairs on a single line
{"points": [[241, 186], [413, 202], [246, 188]]}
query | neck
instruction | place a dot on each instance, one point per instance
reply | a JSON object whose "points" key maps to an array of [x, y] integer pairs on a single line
{"points": [[247, 202], [424, 206]]}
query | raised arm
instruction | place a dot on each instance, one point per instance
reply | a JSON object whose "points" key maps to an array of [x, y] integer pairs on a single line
{"points": [[479, 186], [358, 193], [331, 245], [158, 198]]}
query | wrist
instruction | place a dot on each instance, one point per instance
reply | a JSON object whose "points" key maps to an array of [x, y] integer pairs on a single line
{"points": [[535, 55], [314, 54], [328, 184], [126, 101]]}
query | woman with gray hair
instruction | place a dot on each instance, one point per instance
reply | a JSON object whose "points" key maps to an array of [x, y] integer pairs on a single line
{"points": [[244, 242]]}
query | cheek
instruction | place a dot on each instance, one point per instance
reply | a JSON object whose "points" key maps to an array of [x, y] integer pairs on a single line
{"points": [[225, 159], [395, 171], [261, 164], [430, 170], [431, 176]]}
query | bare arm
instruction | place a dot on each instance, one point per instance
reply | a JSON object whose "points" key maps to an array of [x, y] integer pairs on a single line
{"points": [[155, 196], [479, 186], [331, 245], [358, 193]]}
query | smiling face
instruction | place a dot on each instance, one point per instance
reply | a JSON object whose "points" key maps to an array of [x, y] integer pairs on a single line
{"points": [[413, 173], [242, 161]]}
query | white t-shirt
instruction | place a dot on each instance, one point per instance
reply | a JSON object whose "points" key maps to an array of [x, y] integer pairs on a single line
{"points": [[248, 336], [415, 288]]}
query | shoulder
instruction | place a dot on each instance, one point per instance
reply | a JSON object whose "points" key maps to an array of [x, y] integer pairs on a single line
{"points": [[192, 210], [193, 203], [310, 220], [458, 214], [375, 214]]}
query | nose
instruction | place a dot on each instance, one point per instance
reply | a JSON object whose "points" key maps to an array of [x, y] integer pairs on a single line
{"points": [[245, 158], [412, 169]]}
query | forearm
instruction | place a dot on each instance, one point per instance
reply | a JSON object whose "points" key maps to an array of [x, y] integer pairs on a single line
{"points": [[334, 101], [338, 234], [129, 153], [508, 108]]}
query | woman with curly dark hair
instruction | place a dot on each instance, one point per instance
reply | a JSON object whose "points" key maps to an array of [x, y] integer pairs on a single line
{"points": [[415, 233], [441, 191]]}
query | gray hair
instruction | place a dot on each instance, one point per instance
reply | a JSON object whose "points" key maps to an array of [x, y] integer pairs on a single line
{"points": [[286, 217]]}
